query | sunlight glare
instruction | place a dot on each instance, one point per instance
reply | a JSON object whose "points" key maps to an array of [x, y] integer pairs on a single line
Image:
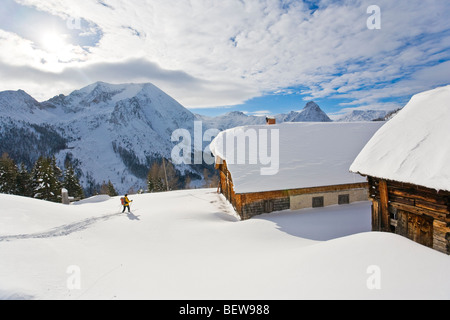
{"points": [[53, 42]]}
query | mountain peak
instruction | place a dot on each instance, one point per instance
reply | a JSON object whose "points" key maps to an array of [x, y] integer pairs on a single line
{"points": [[311, 105], [18, 101], [236, 113], [310, 113]]}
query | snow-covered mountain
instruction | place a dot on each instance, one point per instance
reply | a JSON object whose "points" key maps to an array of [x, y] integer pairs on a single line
{"points": [[362, 115], [109, 132], [231, 120], [311, 113]]}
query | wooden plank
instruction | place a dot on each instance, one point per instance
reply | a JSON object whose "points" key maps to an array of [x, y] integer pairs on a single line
{"points": [[418, 211], [253, 197], [412, 224], [441, 236], [441, 226], [418, 190], [324, 189], [440, 246], [402, 223], [420, 229], [408, 201], [238, 203], [433, 207], [384, 203], [414, 194], [376, 222], [426, 231]]}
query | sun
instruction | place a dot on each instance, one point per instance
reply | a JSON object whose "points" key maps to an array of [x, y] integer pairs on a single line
{"points": [[53, 42]]}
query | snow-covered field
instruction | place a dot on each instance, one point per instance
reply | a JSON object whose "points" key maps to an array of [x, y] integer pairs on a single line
{"points": [[190, 245]]}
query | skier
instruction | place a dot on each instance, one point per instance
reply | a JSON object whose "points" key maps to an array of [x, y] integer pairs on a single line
{"points": [[126, 203]]}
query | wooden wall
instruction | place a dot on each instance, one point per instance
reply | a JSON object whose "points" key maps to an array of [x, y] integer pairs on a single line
{"points": [[418, 213]]}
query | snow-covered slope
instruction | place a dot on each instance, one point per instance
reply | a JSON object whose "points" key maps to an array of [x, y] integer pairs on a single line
{"points": [[19, 105], [167, 249]]}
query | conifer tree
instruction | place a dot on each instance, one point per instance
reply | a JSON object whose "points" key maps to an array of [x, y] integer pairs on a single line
{"points": [[108, 188], [172, 177], [150, 183], [45, 183], [8, 175], [57, 172], [111, 190], [155, 178], [24, 182], [72, 183]]}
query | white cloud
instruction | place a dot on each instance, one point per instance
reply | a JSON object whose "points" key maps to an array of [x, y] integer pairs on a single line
{"points": [[216, 53], [261, 113]]}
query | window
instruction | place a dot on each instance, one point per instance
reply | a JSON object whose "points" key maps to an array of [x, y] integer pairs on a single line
{"points": [[344, 199], [318, 202]]}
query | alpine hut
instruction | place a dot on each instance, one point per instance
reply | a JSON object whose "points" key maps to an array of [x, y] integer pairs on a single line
{"points": [[407, 163], [291, 165]]}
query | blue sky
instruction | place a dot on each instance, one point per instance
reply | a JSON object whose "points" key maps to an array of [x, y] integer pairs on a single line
{"points": [[259, 56]]}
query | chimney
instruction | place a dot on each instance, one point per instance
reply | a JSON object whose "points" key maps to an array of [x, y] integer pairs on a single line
{"points": [[271, 121]]}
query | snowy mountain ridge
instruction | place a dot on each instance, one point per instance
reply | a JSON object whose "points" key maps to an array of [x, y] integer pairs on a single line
{"points": [[311, 113], [111, 132], [362, 115]]}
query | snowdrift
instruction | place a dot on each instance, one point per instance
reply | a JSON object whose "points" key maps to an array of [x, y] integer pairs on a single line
{"points": [[190, 245]]}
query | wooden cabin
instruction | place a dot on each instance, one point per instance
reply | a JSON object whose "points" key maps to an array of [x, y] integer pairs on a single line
{"points": [[408, 168], [312, 171]]}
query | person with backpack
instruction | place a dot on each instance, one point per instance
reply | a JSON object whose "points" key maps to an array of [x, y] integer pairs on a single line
{"points": [[126, 203]]}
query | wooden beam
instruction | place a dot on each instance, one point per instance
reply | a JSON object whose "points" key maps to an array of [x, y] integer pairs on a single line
{"points": [[414, 194], [419, 211], [402, 223], [384, 205], [324, 189], [433, 207], [376, 221]]}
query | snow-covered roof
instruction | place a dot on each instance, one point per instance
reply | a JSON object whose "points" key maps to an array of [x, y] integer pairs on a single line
{"points": [[413, 147], [310, 155]]}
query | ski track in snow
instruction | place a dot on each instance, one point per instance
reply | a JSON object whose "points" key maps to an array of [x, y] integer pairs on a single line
{"points": [[62, 231]]}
